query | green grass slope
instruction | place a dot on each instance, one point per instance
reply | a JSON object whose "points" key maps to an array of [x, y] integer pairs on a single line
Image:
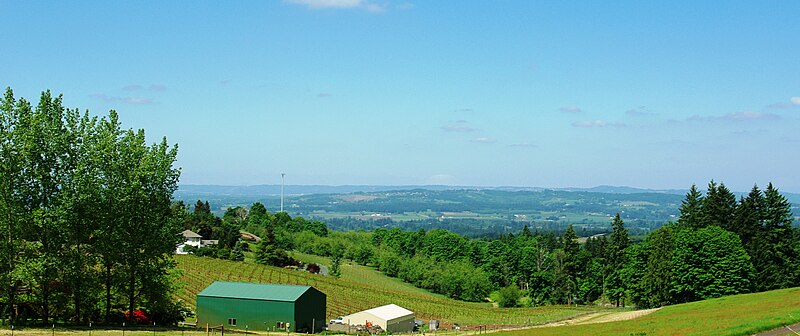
{"points": [[733, 315], [362, 288]]}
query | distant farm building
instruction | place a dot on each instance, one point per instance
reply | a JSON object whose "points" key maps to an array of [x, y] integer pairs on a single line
{"points": [[391, 318], [191, 238], [242, 305]]}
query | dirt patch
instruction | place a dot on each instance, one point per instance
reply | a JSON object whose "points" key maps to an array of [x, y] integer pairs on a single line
{"points": [[601, 317]]}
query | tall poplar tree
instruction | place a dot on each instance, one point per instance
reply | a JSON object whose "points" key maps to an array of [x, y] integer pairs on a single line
{"points": [[617, 259]]}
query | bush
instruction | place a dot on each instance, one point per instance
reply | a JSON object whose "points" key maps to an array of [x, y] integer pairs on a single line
{"points": [[508, 296]]}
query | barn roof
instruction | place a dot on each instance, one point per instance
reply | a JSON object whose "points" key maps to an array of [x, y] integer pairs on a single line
{"points": [[389, 312], [254, 291]]}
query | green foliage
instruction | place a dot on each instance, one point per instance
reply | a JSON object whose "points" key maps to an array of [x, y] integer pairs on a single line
{"points": [[692, 209], [775, 257], [719, 206], [508, 296], [616, 261], [658, 277], [87, 220], [268, 253], [337, 253], [708, 263], [360, 288]]}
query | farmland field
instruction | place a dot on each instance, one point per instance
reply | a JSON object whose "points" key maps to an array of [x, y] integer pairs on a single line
{"points": [[732, 315], [362, 288]]}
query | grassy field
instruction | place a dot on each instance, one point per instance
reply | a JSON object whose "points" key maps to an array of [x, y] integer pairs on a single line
{"points": [[362, 288], [733, 315]]}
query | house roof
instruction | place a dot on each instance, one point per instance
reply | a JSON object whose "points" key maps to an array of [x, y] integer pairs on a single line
{"points": [[190, 234], [254, 291], [389, 312]]}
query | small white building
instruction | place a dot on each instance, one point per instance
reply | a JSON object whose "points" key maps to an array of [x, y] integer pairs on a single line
{"points": [[193, 239], [391, 318]]}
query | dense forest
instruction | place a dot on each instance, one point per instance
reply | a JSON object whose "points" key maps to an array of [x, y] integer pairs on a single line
{"points": [[87, 230]]}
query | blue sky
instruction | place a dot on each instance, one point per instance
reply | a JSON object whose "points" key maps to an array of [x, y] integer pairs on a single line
{"points": [[486, 93]]}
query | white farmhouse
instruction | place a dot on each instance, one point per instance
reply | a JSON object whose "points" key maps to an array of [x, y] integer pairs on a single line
{"points": [[391, 318], [193, 239]]}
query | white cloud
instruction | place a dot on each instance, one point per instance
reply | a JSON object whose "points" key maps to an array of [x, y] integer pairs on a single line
{"points": [[483, 140], [596, 123], [523, 145], [750, 116], [734, 116], [339, 4], [461, 126], [126, 100], [640, 111], [152, 87], [795, 100], [570, 109]]}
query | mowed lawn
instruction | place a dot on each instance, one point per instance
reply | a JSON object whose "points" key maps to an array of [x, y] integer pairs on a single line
{"points": [[733, 315]]}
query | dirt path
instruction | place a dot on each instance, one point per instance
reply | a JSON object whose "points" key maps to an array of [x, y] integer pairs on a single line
{"points": [[787, 330], [601, 317]]}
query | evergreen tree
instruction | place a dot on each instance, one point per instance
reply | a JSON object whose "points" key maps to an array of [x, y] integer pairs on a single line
{"points": [[658, 275], [615, 284], [719, 206], [570, 260], [776, 259], [749, 218], [691, 212]]}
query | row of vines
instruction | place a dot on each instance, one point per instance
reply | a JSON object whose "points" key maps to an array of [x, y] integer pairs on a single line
{"points": [[346, 297]]}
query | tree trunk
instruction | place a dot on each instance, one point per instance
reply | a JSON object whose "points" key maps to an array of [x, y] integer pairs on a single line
{"points": [[132, 292], [12, 290], [46, 284], [108, 289]]}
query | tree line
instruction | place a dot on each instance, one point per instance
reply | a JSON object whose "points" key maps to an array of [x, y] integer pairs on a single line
{"points": [[719, 246], [87, 228]]}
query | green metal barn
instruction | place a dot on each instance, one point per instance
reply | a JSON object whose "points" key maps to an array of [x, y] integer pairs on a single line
{"points": [[242, 305]]}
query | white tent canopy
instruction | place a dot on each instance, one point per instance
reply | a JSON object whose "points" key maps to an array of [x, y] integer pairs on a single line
{"points": [[391, 317]]}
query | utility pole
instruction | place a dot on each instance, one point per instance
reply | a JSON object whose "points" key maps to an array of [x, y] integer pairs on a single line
{"points": [[283, 177]]}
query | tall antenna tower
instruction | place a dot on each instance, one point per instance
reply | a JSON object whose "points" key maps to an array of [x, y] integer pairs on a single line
{"points": [[283, 177]]}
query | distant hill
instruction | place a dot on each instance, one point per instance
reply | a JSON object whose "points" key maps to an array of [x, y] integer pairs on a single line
{"points": [[468, 210]]}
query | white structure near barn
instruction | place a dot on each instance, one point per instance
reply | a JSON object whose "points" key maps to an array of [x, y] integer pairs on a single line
{"points": [[391, 318], [192, 239]]}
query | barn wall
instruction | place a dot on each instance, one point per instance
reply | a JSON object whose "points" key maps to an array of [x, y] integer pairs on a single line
{"points": [[401, 324], [362, 317], [310, 311], [255, 314]]}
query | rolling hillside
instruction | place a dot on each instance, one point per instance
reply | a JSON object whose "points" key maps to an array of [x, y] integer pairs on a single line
{"points": [[361, 288], [732, 315]]}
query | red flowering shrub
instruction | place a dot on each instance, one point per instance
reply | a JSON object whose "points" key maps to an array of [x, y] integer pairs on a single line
{"points": [[139, 316]]}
